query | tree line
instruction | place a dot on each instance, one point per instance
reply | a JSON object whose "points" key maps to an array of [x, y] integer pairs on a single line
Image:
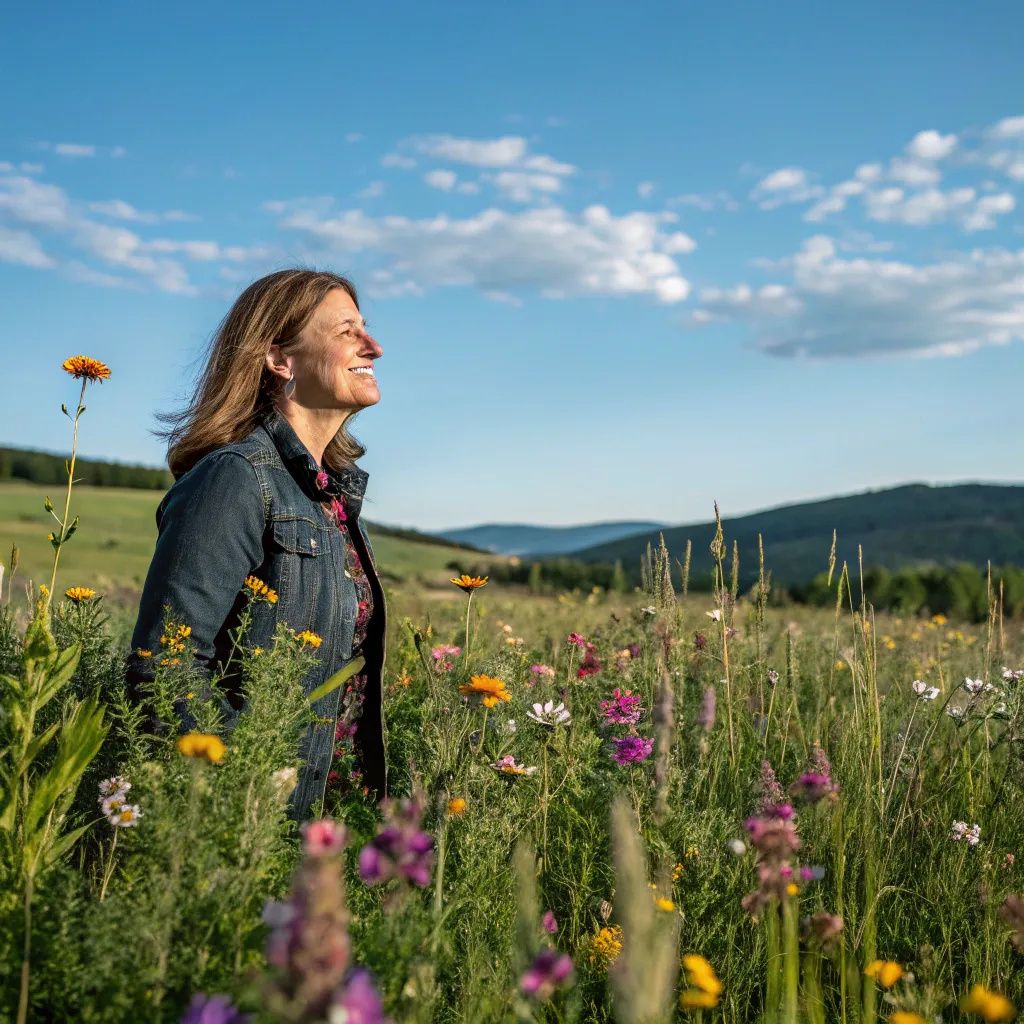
{"points": [[46, 468]]}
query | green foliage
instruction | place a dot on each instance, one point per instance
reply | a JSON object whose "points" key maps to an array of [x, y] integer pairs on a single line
{"points": [[46, 468]]}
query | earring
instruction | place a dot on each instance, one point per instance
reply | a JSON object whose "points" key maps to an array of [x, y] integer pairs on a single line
{"points": [[289, 387]]}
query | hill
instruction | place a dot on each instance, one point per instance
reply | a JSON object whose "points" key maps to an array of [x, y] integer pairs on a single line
{"points": [[912, 525], [114, 544], [544, 541], [39, 467]]}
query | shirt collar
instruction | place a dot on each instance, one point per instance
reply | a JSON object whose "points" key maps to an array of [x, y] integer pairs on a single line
{"points": [[350, 481]]}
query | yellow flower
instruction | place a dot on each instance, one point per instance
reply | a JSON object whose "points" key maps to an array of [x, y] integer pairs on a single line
{"points": [[676, 872], [308, 637], [197, 744], [83, 366], [990, 1005], [890, 645], [939, 620], [663, 904], [906, 1017], [143, 653], [257, 651], [885, 972], [840, 664], [456, 806], [259, 589], [190, 695], [606, 946], [793, 889], [403, 678], [79, 594], [694, 999], [915, 636], [489, 690], [701, 974], [184, 631], [692, 851], [467, 584]]}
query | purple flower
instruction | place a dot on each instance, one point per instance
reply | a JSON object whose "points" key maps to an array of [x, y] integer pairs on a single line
{"points": [[632, 748], [358, 1002], [770, 791], [321, 479], [812, 787], [548, 972], [549, 922], [624, 708], [700, 641], [212, 1010], [634, 650], [400, 848], [706, 718]]}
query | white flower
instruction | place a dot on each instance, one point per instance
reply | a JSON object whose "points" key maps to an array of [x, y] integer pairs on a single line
{"points": [[737, 846], [550, 714], [112, 804], [972, 685], [649, 610], [509, 726], [957, 714], [716, 615], [924, 691], [973, 835], [961, 830], [126, 817], [1000, 708], [116, 784]]}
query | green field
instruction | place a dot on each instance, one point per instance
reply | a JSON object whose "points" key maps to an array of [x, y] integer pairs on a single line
{"points": [[114, 543]]}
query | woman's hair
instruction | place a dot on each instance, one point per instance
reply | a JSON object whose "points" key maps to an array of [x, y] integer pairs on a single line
{"points": [[235, 388]]}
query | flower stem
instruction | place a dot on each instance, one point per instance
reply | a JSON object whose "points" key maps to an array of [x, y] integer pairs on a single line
{"points": [[469, 604], [109, 868], [67, 498]]}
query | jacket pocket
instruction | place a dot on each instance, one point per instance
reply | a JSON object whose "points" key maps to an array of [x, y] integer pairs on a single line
{"points": [[297, 535], [299, 546]]}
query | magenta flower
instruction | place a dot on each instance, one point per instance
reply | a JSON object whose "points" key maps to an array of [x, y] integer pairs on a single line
{"points": [[575, 638], [212, 1010], [400, 849], [338, 511], [549, 922], [321, 479], [623, 708], [548, 973], [814, 786], [589, 665], [358, 1002], [700, 641], [322, 838], [444, 651], [632, 748]]}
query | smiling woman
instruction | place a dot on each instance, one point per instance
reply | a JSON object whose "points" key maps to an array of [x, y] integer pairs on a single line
{"points": [[267, 489]]}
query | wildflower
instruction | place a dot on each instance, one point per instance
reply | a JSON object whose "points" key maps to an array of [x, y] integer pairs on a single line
{"points": [[905, 1017], [885, 972], [961, 830], [695, 999], [548, 922], [957, 714], [812, 787], [549, 971], [309, 637], [606, 946], [542, 672], [78, 594], [715, 616], [400, 849], [649, 610], [823, 926], [632, 748], [444, 651], [486, 689], [624, 708], [773, 835], [1012, 912], [991, 1006], [939, 620], [212, 1010], [706, 715], [773, 676], [700, 641], [700, 974], [143, 653], [259, 589], [321, 479], [126, 816], [664, 904], [549, 714], [83, 367], [115, 784], [575, 638], [456, 806], [973, 685], [467, 584], [197, 744], [737, 847], [357, 1003], [923, 690], [590, 665], [110, 805], [770, 790], [322, 838], [507, 766]]}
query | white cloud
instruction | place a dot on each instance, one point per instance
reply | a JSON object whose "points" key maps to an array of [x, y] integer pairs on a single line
{"points": [[836, 307], [869, 173], [372, 191], [786, 185], [548, 250], [982, 216], [27, 168], [524, 187], [442, 179], [469, 188], [397, 160], [504, 152], [913, 172], [547, 165], [645, 189], [835, 201], [1008, 128], [930, 145], [73, 149], [705, 202], [23, 248]]}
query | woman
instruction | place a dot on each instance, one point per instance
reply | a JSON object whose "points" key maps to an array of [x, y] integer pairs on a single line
{"points": [[266, 485]]}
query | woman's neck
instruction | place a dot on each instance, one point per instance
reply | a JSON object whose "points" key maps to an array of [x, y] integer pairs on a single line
{"points": [[315, 428]]}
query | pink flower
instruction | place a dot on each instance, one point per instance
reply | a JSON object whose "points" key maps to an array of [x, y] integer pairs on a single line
{"points": [[338, 511], [321, 479], [549, 922], [575, 638], [632, 749], [624, 708], [322, 838], [548, 972]]}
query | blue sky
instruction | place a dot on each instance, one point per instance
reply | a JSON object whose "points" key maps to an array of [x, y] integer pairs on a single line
{"points": [[623, 260]]}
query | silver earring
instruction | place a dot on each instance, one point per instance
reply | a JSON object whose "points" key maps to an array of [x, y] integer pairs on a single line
{"points": [[289, 387]]}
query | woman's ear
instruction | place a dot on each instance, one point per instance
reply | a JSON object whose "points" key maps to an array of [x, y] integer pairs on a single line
{"points": [[277, 363]]}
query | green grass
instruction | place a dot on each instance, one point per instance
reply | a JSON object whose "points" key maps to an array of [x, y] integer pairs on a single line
{"points": [[114, 544]]}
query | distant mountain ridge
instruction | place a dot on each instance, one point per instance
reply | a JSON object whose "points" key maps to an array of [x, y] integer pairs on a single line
{"points": [[544, 541], [910, 525]]}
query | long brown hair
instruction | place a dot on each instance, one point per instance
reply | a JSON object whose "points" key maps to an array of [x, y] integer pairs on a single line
{"points": [[235, 388]]}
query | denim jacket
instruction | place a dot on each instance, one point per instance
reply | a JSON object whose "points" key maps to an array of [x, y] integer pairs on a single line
{"points": [[253, 508]]}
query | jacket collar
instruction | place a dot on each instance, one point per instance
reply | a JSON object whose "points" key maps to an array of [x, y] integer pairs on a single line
{"points": [[350, 481]]}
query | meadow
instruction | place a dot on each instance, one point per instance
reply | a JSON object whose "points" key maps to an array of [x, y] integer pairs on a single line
{"points": [[649, 807]]}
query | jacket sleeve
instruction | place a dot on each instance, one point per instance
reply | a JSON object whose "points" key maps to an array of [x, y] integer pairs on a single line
{"points": [[210, 537]]}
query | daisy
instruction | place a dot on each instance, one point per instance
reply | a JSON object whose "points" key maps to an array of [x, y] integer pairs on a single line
{"points": [[550, 714], [507, 766]]}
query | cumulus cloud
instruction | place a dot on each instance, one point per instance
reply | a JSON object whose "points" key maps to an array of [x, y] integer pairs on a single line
{"points": [[786, 185], [503, 152], [397, 160], [372, 191], [705, 202], [547, 250], [442, 179], [836, 307], [930, 145], [73, 149], [23, 248]]}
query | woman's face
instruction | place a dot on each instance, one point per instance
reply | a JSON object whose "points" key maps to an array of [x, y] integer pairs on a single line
{"points": [[333, 362]]}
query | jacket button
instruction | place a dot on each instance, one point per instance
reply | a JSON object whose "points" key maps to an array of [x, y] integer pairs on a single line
{"points": [[312, 542]]}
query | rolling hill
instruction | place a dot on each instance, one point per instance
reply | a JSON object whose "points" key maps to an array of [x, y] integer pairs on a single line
{"points": [[915, 524], [542, 541]]}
